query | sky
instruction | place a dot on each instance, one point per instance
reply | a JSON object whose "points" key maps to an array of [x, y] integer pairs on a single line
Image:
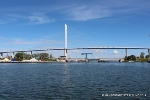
{"points": [[39, 24]]}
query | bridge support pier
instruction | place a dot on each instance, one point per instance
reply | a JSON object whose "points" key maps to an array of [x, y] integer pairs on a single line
{"points": [[1, 55], [65, 53], [31, 54], [126, 52], [13, 54], [149, 52]]}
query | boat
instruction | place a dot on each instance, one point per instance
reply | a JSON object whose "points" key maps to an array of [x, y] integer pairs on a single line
{"points": [[131, 61]]}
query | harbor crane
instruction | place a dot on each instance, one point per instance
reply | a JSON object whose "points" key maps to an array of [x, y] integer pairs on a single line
{"points": [[86, 54]]}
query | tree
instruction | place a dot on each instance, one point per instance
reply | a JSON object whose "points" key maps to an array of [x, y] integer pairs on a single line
{"points": [[147, 56], [132, 57], [26, 56], [43, 56], [142, 55], [36, 55], [51, 56], [19, 56]]}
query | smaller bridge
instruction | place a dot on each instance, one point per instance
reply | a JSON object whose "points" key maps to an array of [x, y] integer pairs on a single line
{"points": [[94, 59], [110, 59], [107, 59]]}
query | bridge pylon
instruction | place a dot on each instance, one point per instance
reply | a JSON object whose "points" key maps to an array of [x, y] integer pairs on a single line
{"points": [[149, 52], [65, 49]]}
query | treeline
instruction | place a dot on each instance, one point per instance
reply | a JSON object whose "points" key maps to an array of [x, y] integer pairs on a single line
{"points": [[39, 56], [140, 58]]}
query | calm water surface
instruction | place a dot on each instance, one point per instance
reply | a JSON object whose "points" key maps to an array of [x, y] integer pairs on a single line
{"points": [[77, 81]]}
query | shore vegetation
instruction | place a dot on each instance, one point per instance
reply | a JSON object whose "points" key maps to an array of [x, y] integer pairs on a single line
{"points": [[39, 56]]}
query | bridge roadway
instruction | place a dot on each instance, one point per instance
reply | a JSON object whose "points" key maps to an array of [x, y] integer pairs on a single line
{"points": [[77, 49]]}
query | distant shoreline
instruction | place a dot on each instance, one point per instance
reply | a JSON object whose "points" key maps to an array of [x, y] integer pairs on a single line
{"points": [[29, 62]]}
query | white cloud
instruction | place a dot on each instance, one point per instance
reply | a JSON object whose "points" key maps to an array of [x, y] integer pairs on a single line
{"points": [[35, 18], [115, 52], [39, 18], [102, 9], [83, 13]]}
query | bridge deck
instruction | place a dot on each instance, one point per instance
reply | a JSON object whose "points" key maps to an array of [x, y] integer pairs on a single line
{"points": [[75, 49]]}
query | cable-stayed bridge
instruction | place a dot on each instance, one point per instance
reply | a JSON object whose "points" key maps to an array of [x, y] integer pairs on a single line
{"points": [[66, 41]]}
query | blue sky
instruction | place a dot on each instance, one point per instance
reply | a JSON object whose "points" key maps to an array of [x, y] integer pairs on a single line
{"points": [[36, 24]]}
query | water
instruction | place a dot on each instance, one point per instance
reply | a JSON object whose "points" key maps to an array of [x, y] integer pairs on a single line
{"points": [[77, 81]]}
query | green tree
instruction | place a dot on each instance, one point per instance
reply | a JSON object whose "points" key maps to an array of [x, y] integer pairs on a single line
{"points": [[43, 56], [142, 55], [36, 55], [51, 56], [26, 56], [132, 57], [22, 56], [147, 56], [19, 56]]}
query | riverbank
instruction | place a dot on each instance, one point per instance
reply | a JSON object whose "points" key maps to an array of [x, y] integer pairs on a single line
{"points": [[31, 61], [139, 60], [27, 62]]}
